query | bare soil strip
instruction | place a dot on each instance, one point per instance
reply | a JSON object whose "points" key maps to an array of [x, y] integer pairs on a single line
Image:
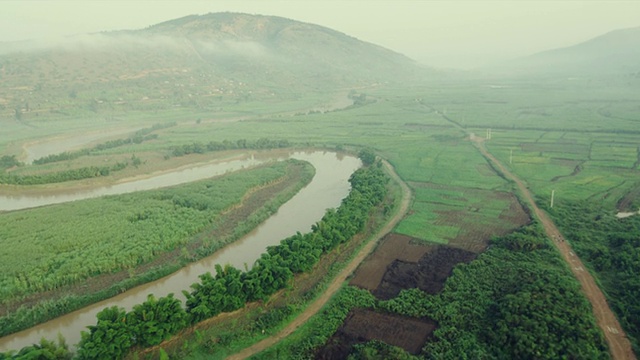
{"points": [[619, 345], [392, 247], [362, 325], [427, 274], [336, 284]]}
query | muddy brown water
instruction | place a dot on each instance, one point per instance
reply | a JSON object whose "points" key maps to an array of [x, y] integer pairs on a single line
{"points": [[327, 189], [203, 171]]}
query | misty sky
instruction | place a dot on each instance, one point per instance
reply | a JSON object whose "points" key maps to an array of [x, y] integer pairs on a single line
{"points": [[441, 33]]}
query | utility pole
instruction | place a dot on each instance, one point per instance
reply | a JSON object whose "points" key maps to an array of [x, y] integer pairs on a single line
{"points": [[511, 156], [553, 192]]}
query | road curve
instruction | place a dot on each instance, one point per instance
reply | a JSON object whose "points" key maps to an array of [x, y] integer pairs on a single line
{"points": [[619, 345], [337, 282]]}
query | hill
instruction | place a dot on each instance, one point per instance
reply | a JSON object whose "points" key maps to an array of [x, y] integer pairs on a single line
{"points": [[616, 52], [196, 61]]}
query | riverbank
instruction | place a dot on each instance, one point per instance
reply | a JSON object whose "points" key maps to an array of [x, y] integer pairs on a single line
{"points": [[326, 190], [256, 205], [244, 332]]}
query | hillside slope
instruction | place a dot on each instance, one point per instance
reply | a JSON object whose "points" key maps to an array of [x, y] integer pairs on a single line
{"points": [[616, 52], [195, 61]]}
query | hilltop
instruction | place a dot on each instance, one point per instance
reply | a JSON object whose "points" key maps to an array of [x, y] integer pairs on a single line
{"points": [[195, 61]]}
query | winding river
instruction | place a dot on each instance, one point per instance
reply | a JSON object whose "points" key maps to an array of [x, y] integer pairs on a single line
{"points": [[327, 189]]}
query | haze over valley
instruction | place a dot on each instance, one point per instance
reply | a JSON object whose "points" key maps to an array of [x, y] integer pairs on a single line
{"points": [[235, 185]]}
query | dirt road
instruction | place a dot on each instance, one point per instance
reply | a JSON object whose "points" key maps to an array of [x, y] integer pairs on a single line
{"points": [[340, 278], [619, 345]]}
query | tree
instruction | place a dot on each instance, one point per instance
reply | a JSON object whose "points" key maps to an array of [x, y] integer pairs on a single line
{"points": [[155, 320], [110, 338], [367, 156]]}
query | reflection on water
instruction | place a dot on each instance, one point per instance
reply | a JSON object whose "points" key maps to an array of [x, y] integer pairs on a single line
{"points": [[327, 189]]}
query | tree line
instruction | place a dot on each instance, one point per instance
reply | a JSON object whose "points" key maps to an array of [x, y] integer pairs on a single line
{"points": [[155, 320], [86, 172], [137, 138], [201, 147]]}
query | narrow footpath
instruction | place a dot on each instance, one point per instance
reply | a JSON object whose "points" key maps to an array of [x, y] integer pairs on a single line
{"points": [[619, 345], [337, 282]]}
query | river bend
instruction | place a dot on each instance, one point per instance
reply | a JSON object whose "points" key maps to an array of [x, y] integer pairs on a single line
{"points": [[326, 190]]}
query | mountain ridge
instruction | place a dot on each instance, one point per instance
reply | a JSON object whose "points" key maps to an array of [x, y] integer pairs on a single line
{"points": [[615, 52]]}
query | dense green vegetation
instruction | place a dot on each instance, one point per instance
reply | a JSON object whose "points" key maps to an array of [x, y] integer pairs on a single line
{"points": [[516, 300], [45, 349], [149, 323], [134, 227], [175, 214], [201, 148], [8, 161], [61, 176], [303, 343], [611, 249], [577, 136]]}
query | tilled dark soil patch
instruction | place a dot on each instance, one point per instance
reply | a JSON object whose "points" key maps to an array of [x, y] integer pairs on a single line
{"points": [[363, 325], [428, 274], [393, 247]]}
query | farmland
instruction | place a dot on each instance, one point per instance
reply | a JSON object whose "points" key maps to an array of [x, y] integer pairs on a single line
{"points": [[458, 199], [468, 269]]}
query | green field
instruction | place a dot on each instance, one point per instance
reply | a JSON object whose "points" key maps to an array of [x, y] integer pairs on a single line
{"points": [[441, 214], [119, 106], [579, 140]]}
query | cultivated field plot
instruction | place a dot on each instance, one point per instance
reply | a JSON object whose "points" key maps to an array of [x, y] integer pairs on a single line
{"points": [[428, 274], [580, 139], [461, 217], [399, 264], [392, 247], [575, 164], [364, 325]]}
